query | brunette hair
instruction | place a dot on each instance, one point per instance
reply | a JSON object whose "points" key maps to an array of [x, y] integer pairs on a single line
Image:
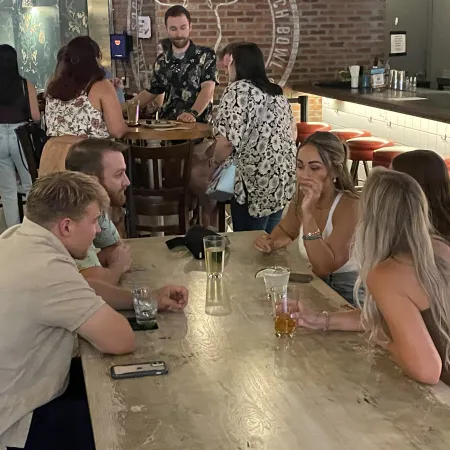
{"points": [[431, 172], [177, 11], [249, 64], [79, 70], [11, 83], [86, 156]]}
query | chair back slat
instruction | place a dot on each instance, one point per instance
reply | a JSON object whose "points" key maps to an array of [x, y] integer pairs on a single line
{"points": [[160, 186]]}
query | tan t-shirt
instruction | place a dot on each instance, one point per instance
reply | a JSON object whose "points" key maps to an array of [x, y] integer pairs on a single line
{"points": [[44, 300]]}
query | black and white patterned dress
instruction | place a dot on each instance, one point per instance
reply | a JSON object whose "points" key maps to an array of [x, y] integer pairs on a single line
{"points": [[259, 127]]}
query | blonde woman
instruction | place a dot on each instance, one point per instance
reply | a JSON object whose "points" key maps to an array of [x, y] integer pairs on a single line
{"points": [[406, 270], [324, 213]]}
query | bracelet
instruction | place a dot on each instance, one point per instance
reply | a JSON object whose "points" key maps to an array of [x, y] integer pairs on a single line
{"points": [[312, 236], [327, 321]]}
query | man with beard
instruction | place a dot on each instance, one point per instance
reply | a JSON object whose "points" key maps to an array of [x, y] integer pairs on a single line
{"points": [[108, 258], [185, 73]]}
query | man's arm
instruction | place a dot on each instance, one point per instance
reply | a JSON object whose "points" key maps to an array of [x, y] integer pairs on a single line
{"points": [[204, 97], [118, 262], [116, 297], [144, 98]]}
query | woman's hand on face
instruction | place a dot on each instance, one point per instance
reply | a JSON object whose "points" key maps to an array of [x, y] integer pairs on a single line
{"points": [[264, 243], [307, 318], [311, 190]]}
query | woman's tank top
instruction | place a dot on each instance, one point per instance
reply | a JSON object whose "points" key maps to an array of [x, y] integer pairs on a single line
{"points": [[350, 266]]}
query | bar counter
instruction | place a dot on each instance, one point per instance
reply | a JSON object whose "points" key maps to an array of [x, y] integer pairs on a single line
{"points": [[433, 104]]}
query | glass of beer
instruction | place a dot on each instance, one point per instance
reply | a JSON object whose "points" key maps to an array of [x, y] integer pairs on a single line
{"points": [[214, 255], [285, 302], [133, 112]]}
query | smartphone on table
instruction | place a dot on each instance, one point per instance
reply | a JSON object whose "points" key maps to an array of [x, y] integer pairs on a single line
{"points": [[145, 369]]}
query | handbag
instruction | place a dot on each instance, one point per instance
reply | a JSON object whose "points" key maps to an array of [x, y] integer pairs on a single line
{"points": [[221, 187], [35, 133]]}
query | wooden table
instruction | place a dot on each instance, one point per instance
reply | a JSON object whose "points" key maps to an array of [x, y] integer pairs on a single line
{"points": [[190, 132], [233, 385]]}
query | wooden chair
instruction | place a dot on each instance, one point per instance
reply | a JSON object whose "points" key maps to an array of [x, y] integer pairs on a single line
{"points": [[160, 179], [31, 159]]}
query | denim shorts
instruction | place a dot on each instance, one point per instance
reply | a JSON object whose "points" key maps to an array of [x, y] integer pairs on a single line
{"points": [[344, 283]]}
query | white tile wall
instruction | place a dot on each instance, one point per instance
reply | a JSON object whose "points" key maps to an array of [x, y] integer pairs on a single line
{"points": [[403, 129]]}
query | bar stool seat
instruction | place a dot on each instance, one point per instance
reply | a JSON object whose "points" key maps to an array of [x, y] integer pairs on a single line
{"points": [[383, 157], [361, 150], [306, 129], [350, 133], [447, 162]]}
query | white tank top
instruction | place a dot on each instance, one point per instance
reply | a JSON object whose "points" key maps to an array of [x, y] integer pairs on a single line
{"points": [[350, 265]]}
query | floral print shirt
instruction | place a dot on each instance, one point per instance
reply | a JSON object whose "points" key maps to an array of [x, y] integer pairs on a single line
{"points": [[259, 127], [180, 79], [75, 117]]}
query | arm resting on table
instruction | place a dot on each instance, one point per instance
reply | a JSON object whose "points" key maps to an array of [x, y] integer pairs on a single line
{"points": [[108, 331], [116, 297]]}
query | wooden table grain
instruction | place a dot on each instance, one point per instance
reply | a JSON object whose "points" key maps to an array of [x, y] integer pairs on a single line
{"points": [[187, 131], [233, 385]]}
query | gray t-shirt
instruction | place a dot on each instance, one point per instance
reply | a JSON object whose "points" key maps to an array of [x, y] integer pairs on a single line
{"points": [[44, 301]]}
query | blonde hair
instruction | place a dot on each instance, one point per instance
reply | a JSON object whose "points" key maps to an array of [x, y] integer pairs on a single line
{"points": [[394, 220], [63, 194], [334, 154]]}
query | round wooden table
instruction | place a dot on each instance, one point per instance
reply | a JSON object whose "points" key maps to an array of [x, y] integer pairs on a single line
{"points": [[183, 131]]}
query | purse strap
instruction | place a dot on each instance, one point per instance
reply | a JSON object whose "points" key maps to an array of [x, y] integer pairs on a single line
{"points": [[27, 98]]}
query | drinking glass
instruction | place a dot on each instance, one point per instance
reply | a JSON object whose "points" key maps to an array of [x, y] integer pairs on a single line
{"points": [[214, 255], [145, 307], [275, 276], [133, 112], [285, 302], [217, 300]]}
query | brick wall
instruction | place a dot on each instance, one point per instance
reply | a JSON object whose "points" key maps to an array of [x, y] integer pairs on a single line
{"points": [[302, 40]]}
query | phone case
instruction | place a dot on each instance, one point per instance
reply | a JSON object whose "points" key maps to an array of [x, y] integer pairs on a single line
{"points": [[300, 277], [139, 373], [150, 326]]}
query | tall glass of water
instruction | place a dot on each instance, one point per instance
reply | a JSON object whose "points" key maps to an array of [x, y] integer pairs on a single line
{"points": [[214, 255], [145, 307]]}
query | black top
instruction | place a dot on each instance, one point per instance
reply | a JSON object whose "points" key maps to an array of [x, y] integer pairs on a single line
{"points": [[180, 80], [437, 340], [17, 112]]}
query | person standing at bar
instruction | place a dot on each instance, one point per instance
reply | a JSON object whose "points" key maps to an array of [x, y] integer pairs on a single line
{"points": [[186, 74]]}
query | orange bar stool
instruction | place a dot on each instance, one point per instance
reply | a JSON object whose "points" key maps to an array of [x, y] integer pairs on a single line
{"points": [[447, 162], [361, 150], [383, 157], [344, 134], [306, 129]]}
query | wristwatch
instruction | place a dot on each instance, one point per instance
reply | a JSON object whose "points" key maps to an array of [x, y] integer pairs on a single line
{"points": [[193, 112]]}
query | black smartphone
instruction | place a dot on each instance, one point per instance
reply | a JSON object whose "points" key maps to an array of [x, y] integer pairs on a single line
{"points": [[148, 326], [146, 369], [300, 277]]}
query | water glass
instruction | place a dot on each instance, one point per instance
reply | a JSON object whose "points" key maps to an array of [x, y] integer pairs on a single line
{"points": [[275, 276], [145, 306], [285, 302], [217, 299], [133, 112], [214, 255]]}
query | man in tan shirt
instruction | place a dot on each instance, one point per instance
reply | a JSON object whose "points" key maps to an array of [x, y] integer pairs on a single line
{"points": [[45, 303]]}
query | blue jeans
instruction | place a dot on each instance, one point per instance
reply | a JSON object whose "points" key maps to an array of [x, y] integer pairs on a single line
{"points": [[343, 283], [243, 221], [11, 159]]}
